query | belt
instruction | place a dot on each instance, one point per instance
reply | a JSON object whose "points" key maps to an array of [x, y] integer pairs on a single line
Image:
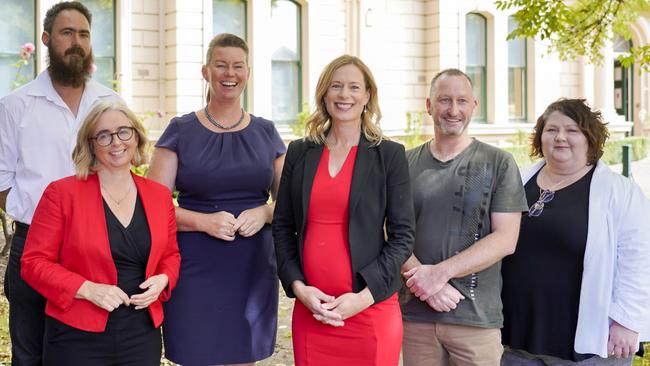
{"points": [[20, 229]]}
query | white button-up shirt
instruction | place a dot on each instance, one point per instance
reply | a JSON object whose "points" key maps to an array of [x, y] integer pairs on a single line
{"points": [[37, 135]]}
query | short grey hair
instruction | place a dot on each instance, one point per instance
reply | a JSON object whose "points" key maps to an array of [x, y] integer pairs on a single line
{"points": [[448, 72]]}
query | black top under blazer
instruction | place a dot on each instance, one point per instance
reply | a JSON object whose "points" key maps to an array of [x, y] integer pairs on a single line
{"points": [[380, 194]]}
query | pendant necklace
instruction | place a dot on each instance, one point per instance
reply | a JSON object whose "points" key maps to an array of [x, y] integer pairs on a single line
{"points": [[117, 202], [217, 124], [571, 176]]}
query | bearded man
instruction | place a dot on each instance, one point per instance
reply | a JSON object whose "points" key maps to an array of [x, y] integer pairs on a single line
{"points": [[38, 127]]}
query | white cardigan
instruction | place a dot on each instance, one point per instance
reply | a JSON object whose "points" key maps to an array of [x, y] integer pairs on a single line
{"points": [[616, 275]]}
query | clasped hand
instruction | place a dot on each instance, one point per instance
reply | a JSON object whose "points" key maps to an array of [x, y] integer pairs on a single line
{"points": [[154, 285], [425, 280], [107, 297], [332, 310], [446, 299], [347, 305], [430, 284], [224, 225], [110, 297]]}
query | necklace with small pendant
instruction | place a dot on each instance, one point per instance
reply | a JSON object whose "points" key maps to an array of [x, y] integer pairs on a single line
{"points": [[217, 124], [117, 202]]}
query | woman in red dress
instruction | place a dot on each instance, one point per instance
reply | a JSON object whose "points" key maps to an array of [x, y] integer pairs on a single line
{"points": [[340, 186]]}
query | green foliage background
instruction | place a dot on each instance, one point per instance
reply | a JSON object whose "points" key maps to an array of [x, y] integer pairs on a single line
{"points": [[581, 27]]}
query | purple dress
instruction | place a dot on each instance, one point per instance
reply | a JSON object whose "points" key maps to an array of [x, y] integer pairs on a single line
{"points": [[224, 307]]}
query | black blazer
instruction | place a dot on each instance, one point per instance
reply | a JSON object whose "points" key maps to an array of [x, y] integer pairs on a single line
{"points": [[380, 193]]}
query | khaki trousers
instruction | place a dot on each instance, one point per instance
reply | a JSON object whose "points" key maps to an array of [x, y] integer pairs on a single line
{"points": [[435, 344]]}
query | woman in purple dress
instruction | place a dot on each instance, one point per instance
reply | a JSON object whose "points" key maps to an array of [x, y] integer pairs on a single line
{"points": [[224, 162]]}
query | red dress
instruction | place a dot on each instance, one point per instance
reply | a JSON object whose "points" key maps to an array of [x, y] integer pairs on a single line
{"points": [[372, 337]]}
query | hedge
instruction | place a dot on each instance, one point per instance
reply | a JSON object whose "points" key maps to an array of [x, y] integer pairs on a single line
{"points": [[613, 151]]}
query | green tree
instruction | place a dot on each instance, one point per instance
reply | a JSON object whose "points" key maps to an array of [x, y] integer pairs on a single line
{"points": [[581, 27], [413, 131], [298, 126]]}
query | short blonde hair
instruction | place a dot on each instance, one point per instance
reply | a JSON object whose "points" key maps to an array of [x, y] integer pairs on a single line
{"points": [[223, 40], [318, 123], [83, 156]]}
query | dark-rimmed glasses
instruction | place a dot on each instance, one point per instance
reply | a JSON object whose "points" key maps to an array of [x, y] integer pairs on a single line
{"points": [[105, 138], [545, 196]]}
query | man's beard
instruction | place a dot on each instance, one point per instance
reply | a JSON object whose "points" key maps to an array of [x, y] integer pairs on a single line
{"points": [[76, 72]]}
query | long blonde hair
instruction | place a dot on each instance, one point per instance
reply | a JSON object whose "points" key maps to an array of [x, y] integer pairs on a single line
{"points": [[318, 123], [83, 156]]}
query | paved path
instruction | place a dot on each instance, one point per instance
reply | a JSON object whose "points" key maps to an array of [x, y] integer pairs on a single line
{"points": [[640, 173]]}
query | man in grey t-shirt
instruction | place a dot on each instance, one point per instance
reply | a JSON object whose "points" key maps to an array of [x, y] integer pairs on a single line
{"points": [[468, 199]]}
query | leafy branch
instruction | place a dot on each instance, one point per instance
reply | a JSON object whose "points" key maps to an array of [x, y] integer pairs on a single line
{"points": [[579, 28]]}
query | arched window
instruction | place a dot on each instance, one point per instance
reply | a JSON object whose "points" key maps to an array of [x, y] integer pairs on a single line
{"points": [[229, 16], [286, 61], [103, 40], [516, 75], [476, 64], [17, 27]]}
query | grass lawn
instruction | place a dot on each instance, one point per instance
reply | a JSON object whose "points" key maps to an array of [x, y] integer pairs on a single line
{"points": [[645, 361]]}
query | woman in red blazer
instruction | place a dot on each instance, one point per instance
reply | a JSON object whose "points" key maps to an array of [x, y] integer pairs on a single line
{"points": [[102, 249]]}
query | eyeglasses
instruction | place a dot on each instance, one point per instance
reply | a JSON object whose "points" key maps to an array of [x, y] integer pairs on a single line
{"points": [[105, 138], [545, 196]]}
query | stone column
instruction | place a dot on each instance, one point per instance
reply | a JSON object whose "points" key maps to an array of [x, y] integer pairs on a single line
{"points": [[184, 34], [587, 75], [497, 95], [604, 85], [260, 81]]}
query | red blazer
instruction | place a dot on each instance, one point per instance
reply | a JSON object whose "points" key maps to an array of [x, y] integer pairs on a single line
{"points": [[67, 244]]}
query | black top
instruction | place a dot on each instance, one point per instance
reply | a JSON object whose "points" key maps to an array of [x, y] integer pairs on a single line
{"points": [[130, 247], [542, 279]]}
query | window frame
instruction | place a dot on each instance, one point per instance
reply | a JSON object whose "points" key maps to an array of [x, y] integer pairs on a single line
{"points": [[524, 93], [246, 6], [483, 98], [299, 63], [35, 55], [114, 82], [245, 94]]}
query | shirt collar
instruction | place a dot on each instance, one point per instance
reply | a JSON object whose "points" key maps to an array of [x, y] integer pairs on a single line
{"points": [[43, 87]]}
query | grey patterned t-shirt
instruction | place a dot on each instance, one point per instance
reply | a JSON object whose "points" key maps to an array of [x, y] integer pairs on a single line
{"points": [[453, 201]]}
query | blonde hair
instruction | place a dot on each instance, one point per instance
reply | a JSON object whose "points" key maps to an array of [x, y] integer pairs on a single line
{"points": [[318, 123], [83, 156], [223, 40]]}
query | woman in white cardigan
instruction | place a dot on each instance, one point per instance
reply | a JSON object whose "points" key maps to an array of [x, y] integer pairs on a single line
{"points": [[577, 289]]}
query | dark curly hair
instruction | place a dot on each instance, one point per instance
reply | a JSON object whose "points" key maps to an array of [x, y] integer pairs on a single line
{"points": [[590, 122], [52, 13]]}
